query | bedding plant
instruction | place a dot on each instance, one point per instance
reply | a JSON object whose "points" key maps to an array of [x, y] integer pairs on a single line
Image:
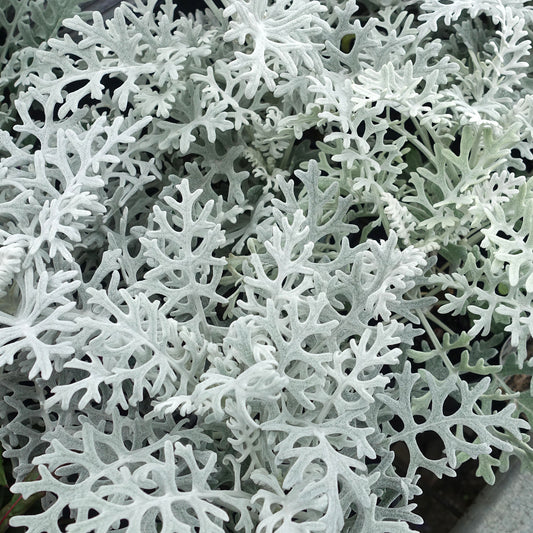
{"points": [[247, 254]]}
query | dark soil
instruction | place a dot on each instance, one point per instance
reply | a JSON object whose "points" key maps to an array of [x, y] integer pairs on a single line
{"points": [[444, 501]]}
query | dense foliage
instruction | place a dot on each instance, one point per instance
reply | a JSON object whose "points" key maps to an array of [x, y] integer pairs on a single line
{"points": [[247, 254]]}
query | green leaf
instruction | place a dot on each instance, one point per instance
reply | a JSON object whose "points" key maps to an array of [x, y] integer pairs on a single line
{"points": [[3, 480]]}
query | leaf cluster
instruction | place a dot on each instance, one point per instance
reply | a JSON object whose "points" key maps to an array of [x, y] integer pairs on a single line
{"points": [[247, 253]]}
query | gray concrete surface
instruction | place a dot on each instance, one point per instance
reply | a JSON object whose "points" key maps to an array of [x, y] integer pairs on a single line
{"points": [[505, 507]]}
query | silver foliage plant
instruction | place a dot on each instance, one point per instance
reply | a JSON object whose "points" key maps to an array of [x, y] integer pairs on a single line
{"points": [[248, 254]]}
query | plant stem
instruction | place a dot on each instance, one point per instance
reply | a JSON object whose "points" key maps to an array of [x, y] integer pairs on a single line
{"points": [[17, 505], [436, 342], [3, 524], [439, 323]]}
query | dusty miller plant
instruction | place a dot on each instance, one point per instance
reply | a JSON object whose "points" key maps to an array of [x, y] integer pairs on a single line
{"points": [[247, 254]]}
